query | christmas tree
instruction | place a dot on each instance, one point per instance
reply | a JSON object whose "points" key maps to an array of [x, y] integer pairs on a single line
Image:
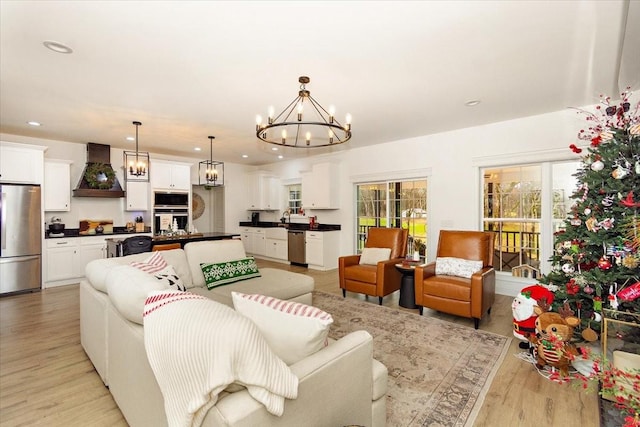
{"points": [[597, 254]]}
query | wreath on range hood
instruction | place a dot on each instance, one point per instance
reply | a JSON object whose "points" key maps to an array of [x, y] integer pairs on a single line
{"points": [[100, 176]]}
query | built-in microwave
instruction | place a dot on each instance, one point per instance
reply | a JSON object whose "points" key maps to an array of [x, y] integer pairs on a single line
{"points": [[170, 200]]}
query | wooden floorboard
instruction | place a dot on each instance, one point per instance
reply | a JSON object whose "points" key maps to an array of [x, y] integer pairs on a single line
{"points": [[46, 378]]}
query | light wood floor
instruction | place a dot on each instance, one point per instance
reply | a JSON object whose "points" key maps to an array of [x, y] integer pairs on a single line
{"points": [[47, 380]]}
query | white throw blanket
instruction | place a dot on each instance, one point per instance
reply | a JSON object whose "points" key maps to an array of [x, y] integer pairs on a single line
{"points": [[197, 347]]}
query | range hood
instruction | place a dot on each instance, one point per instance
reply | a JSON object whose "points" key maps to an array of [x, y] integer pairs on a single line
{"points": [[98, 174]]}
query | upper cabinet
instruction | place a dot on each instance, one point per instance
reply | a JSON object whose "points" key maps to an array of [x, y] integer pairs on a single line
{"points": [[137, 196], [170, 175], [21, 163], [57, 185], [263, 192], [320, 187]]}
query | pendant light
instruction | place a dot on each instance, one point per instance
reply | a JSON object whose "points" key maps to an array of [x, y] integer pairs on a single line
{"points": [[211, 172], [136, 164]]}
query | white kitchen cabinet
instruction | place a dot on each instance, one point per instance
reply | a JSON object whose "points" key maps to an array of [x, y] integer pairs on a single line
{"points": [[62, 259], [21, 163], [137, 196], [170, 175], [246, 235], [322, 249], [320, 187], [263, 192], [276, 243], [254, 240], [57, 185], [91, 248]]}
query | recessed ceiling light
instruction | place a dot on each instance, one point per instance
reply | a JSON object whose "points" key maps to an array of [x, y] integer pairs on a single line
{"points": [[131, 138], [57, 46], [281, 156], [274, 148], [245, 156], [472, 103], [33, 123], [197, 149]]}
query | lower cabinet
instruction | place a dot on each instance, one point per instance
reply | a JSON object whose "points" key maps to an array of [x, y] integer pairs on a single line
{"points": [[276, 243], [66, 258], [62, 260], [322, 249]]}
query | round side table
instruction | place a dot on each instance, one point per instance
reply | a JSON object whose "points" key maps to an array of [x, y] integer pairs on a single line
{"points": [[407, 288]]}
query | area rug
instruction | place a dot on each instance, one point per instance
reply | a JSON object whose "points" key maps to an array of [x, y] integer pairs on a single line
{"points": [[439, 372]]}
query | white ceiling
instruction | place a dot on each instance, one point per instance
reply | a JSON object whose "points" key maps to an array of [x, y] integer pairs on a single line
{"points": [[189, 69]]}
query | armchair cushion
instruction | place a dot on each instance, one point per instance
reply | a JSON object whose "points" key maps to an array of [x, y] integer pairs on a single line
{"points": [[451, 266], [372, 256]]}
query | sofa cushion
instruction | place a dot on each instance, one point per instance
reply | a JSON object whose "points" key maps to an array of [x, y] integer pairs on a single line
{"points": [[158, 267], [128, 289], [223, 273], [211, 252], [292, 330], [457, 267], [97, 270], [273, 282], [372, 256]]}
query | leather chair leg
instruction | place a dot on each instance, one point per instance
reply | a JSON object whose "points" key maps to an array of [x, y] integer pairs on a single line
{"points": [[476, 323], [344, 293], [420, 308], [380, 300], [489, 311]]}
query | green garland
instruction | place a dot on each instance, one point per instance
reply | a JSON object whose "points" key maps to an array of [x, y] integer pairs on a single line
{"points": [[96, 173]]}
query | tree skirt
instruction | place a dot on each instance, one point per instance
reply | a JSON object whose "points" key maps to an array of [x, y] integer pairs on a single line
{"points": [[439, 372]]}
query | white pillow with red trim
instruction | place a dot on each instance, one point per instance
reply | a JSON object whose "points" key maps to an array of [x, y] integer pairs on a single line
{"points": [[293, 330]]}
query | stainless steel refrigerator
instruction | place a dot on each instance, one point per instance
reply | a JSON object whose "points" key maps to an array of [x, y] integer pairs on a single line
{"points": [[21, 238]]}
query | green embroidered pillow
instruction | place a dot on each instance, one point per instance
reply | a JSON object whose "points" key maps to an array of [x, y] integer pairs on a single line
{"points": [[223, 273]]}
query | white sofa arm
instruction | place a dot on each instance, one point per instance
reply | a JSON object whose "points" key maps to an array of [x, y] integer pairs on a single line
{"points": [[336, 388]]}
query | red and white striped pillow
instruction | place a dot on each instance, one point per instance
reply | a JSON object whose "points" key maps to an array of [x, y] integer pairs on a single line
{"points": [[151, 265], [293, 330]]}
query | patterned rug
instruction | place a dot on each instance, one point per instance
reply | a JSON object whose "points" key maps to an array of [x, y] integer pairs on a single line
{"points": [[439, 372]]}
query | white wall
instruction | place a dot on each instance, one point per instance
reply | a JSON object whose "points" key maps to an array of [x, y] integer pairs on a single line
{"points": [[451, 159]]}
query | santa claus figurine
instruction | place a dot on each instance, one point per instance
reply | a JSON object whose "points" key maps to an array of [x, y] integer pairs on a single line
{"points": [[524, 318]]}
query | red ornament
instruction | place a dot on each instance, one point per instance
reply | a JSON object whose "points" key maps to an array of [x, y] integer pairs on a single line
{"points": [[604, 263]]}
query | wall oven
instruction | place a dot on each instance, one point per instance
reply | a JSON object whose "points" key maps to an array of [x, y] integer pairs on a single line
{"points": [[167, 207]]}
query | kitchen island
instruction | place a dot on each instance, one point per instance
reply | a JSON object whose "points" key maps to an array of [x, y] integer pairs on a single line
{"points": [[114, 245]]}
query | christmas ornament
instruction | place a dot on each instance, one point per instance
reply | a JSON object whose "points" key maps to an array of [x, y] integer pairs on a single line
{"points": [[587, 211], [629, 202], [575, 149], [589, 334], [630, 293], [575, 221], [607, 201], [630, 262], [597, 166], [592, 224], [604, 263], [588, 290], [638, 165], [619, 172], [597, 303], [606, 223], [568, 268]]}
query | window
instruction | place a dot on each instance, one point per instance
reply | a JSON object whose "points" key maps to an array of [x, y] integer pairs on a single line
{"points": [[295, 197], [397, 204], [522, 204]]}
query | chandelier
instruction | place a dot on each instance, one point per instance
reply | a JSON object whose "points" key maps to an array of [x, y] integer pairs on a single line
{"points": [[211, 172], [136, 163], [304, 123]]}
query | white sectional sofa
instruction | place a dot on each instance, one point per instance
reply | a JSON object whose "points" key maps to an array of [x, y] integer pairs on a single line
{"points": [[341, 384]]}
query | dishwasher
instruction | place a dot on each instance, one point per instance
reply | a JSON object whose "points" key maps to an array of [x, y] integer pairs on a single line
{"points": [[297, 253]]}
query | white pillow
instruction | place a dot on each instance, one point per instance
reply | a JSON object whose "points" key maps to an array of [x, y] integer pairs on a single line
{"points": [[157, 266], [457, 267], [373, 256], [293, 330], [152, 264]]}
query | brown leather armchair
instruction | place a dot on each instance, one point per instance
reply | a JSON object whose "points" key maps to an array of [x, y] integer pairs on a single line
{"points": [[458, 295], [375, 280]]}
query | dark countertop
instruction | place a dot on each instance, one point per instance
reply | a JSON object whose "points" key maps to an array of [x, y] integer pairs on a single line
{"points": [[75, 232], [197, 237], [292, 226]]}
